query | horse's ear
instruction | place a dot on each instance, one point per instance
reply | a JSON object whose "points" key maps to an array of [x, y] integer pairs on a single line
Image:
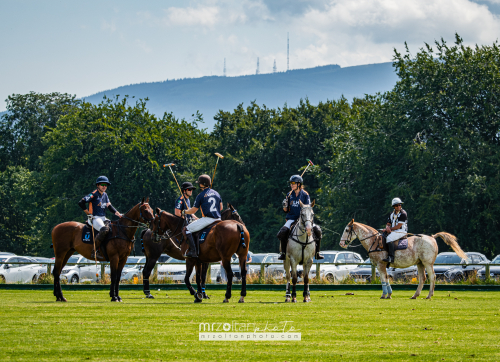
{"points": [[352, 222], [158, 210], [142, 202], [301, 203], [313, 203], [230, 206], [147, 200]]}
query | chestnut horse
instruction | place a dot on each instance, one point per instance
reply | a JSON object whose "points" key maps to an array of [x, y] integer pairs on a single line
{"points": [[67, 238], [422, 251], [155, 243], [225, 239]]}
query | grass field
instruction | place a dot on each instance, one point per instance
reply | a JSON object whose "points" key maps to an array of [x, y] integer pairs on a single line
{"points": [[453, 326]]}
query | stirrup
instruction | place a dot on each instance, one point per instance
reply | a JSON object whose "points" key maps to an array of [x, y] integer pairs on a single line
{"points": [[389, 259], [282, 256], [189, 254], [95, 255]]}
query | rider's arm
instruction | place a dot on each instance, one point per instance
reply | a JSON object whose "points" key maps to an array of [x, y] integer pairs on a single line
{"points": [[191, 210], [83, 204], [397, 227], [221, 206], [178, 213], [113, 210]]}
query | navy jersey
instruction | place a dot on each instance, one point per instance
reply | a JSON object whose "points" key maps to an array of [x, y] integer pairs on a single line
{"points": [[294, 204], [97, 203], [183, 203], [209, 201]]}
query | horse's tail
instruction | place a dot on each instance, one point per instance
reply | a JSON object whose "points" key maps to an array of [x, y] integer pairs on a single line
{"points": [[241, 230], [451, 240]]}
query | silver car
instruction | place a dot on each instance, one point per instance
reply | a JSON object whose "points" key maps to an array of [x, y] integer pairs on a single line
{"points": [[176, 272], [494, 269], [363, 273], [78, 273]]}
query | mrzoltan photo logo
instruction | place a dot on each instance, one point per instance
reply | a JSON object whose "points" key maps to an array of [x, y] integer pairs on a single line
{"points": [[237, 331]]}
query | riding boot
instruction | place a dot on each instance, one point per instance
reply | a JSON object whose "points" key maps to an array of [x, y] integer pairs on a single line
{"points": [[390, 258], [283, 238], [191, 252], [99, 240], [317, 239]]}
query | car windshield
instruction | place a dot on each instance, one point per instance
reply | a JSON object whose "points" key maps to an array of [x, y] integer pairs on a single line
{"points": [[448, 259], [496, 260], [131, 262], [2, 260], [73, 259], [257, 258], [172, 260], [367, 261], [329, 258]]}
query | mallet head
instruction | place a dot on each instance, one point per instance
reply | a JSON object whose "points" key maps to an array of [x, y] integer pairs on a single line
{"points": [[219, 155], [169, 164]]}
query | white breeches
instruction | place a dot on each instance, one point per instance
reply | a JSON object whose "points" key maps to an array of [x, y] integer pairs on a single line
{"points": [[199, 224], [395, 235], [98, 222], [289, 223]]}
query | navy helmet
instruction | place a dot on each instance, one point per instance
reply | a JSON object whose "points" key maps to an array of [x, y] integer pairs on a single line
{"points": [[102, 180], [187, 186], [296, 178]]}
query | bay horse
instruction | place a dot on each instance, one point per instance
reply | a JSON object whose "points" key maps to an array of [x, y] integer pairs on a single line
{"points": [[67, 238], [224, 240], [421, 251], [300, 250], [164, 238]]}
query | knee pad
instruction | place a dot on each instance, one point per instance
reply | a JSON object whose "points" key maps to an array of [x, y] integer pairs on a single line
{"points": [[317, 231]]}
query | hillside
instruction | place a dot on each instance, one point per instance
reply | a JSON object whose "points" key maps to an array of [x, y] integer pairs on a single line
{"points": [[210, 94]]}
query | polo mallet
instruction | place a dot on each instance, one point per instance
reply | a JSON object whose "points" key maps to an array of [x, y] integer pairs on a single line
{"points": [[309, 164], [169, 166], [95, 251], [218, 156]]}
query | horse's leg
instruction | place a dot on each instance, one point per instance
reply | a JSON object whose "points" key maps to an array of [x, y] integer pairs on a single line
{"points": [[119, 275], [421, 280], [383, 278], [113, 268], [146, 272], [58, 266], [204, 270], [189, 270], [287, 271], [243, 270], [432, 278], [294, 282], [306, 294], [226, 263], [199, 292]]}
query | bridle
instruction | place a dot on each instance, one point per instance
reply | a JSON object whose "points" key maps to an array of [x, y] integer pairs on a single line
{"points": [[159, 233], [302, 230], [139, 224], [349, 240]]}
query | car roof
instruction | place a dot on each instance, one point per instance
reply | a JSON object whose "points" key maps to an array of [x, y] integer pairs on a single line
{"points": [[6, 253]]}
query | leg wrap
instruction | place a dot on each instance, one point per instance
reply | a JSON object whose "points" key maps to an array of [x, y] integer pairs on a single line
{"points": [[389, 289], [384, 288]]}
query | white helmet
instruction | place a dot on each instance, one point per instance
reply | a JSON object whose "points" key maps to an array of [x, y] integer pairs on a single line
{"points": [[396, 201]]}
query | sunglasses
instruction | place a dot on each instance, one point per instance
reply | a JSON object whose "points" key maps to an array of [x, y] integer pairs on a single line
{"points": [[293, 183], [397, 205], [105, 185]]}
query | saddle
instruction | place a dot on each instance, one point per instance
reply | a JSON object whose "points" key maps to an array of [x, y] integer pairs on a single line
{"points": [[200, 236], [87, 237], [380, 244]]}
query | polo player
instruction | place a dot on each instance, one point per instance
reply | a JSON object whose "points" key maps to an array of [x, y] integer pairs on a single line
{"points": [[183, 202], [396, 227], [98, 201], [291, 205]]}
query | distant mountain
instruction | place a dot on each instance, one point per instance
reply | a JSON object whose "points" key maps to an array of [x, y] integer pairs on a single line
{"points": [[210, 94]]}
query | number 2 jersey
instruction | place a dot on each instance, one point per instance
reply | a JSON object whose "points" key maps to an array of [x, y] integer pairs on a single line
{"points": [[209, 201]]}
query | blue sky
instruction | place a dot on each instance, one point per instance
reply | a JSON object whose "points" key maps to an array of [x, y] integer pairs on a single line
{"points": [[89, 46]]}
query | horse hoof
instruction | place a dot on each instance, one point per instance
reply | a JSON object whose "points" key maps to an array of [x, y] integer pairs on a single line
{"points": [[428, 298], [241, 300], [306, 301], [119, 298], [287, 300], [414, 297], [205, 296], [199, 296], [61, 299], [115, 299], [383, 297], [149, 296], [198, 300], [388, 297], [225, 301], [294, 300]]}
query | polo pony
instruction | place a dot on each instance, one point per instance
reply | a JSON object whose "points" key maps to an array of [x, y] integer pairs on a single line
{"points": [[300, 250], [67, 238], [421, 251]]}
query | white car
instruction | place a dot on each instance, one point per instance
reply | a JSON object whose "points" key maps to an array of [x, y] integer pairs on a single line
{"points": [[15, 273], [78, 273], [175, 271]]}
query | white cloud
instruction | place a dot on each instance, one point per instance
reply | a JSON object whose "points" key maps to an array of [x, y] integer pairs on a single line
{"points": [[202, 15]]}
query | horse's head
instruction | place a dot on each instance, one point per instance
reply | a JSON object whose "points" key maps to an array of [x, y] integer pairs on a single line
{"points": [[146, 213], [349, 235], [231, 214], [159, 222], [307, 216]]}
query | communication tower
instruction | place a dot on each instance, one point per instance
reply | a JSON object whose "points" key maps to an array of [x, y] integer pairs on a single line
{"points": [[287, 52], [257, 72], [224, 67], [274, 66]]}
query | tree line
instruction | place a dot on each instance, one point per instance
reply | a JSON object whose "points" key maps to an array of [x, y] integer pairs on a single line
{"points": [[433, 141]]}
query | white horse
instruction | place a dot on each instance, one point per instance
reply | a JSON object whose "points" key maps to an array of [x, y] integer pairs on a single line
{"points": [[422, 251], [300, 250]]}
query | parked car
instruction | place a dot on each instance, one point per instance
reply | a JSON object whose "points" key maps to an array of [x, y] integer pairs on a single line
{"points": [[363, 273], [133, 268], [175, 271], [235, 267], [494, 269], [78, 273], [6, 253], [454, 273], [163, 258], [15, 273]]}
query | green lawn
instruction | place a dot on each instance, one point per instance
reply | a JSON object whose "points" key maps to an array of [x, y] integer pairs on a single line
{"points": [[452, 326]]}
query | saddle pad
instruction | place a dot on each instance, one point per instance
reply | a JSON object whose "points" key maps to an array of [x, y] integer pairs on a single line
{"points": [[87, 236], [203, 233], [403, 244]]}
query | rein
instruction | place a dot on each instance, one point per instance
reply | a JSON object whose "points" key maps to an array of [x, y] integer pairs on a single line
{"points": [[303, 230], [120, 226], [348, 241]]}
